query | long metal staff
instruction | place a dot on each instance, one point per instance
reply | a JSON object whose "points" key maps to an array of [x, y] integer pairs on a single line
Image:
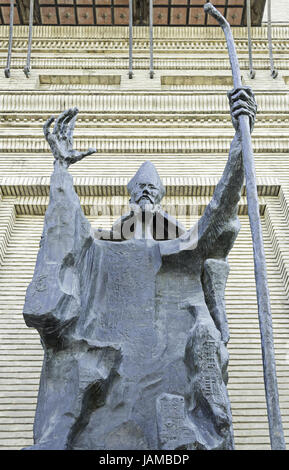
{"points": [[264, 310], [27, 68], [7, 69]]}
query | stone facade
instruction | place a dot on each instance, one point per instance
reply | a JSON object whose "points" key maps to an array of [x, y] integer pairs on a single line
{"points": [[180, 121]]}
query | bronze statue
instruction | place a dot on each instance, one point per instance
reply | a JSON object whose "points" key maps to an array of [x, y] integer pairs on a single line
{"points": [[133, 323]]}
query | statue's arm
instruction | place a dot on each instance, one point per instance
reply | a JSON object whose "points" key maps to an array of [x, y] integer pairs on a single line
{"points": [[221, 213], [52, 298], [66, 229]]}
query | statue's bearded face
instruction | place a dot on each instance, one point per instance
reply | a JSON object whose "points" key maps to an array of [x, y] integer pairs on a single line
{"points": [[145, 193]]}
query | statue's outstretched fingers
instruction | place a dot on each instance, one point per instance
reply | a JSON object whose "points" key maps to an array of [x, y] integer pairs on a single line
{"points": [[46, 127], [58, 123], [59, 120], [71, 125], [90, 151], [70, 130], [64, 125], [76, 156]]}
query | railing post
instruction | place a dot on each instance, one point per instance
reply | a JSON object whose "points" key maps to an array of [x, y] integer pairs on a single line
{"points": [[274, 72], [7, 69], [28, 60]]}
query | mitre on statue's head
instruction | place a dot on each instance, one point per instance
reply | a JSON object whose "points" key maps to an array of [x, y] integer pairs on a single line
{"points": [[146, 174], [146, 190]]}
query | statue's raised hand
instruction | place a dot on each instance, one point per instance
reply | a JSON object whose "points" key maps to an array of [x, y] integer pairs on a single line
{"points": [[242, 101], [61, 138]]}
